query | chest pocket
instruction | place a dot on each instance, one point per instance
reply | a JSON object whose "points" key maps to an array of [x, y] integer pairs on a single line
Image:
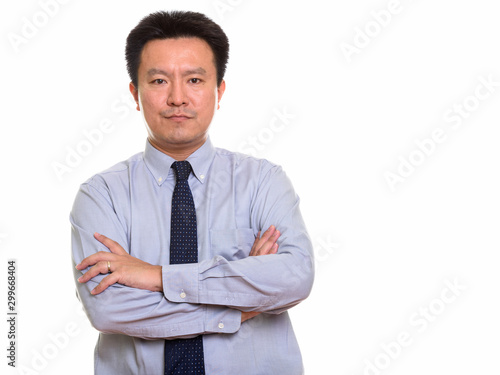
{"points": [[232, 244]]}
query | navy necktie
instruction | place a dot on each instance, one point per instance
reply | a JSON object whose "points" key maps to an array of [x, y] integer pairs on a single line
{"points": [[183, 356]]}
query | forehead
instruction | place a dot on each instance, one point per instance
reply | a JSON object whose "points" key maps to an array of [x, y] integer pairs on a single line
{"points": [[176, 54]]}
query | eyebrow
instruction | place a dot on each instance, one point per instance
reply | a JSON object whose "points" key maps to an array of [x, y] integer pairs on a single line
{"points": [[200, 70]]}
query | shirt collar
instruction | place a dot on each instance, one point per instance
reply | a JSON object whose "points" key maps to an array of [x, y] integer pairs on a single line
{"points": [[159, 163]]}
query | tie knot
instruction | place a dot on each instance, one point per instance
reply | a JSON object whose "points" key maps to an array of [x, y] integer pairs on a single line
{"points": [[182, 170]]}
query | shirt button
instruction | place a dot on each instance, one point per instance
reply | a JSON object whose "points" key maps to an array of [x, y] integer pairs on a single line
{"points": [[183, 295], [202, 176], [160, 179], [221, 325]]}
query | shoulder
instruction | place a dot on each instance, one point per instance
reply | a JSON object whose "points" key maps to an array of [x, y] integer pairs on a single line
{"points": [[116, 175], [246, 163], [250, 173]]}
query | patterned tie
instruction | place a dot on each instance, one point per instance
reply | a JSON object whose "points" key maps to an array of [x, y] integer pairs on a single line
{"points": [[183, 356]]}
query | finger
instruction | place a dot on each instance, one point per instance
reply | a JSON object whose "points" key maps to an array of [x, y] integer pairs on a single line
{"points": [[265, 237], [257, 238], [104, 284], [271, 245], [265, 247], [99, 268], [268, 233], [113, 246], [255, 243], [274, 249], [94, 259], [259, 245]]}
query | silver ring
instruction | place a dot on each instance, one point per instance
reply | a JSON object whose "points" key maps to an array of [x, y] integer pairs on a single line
{"points": [[109, 266]]}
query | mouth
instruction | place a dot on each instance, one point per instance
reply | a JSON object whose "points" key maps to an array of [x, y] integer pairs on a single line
{"points": [[179, 117]]}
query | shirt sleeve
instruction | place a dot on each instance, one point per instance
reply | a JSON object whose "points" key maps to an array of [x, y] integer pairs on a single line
{"points": [[129, 311], [268, 283]]}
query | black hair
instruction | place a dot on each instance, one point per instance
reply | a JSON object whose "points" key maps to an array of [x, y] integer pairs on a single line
{"points": [[176, 24]]}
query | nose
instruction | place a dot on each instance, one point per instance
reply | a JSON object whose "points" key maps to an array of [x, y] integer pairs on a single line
{"points": [[177, 95]]}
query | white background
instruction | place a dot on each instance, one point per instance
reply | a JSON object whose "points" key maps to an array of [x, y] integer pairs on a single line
{"points": [[383, 256]]}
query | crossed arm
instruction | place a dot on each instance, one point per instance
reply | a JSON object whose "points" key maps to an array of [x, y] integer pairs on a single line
{"points": [[193, 298], [122, 268]]}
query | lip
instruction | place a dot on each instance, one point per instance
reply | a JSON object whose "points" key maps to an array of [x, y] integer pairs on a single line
{"points": [[179, 117]]}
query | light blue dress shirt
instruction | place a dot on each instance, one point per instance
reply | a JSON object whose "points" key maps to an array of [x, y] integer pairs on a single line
{"points": [[235, 197]]}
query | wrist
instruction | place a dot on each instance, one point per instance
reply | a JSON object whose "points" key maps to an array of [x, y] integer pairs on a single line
{"points": [[158, 279]]}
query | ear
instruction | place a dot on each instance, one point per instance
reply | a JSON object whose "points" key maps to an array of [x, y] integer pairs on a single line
{"points": [[220, 92], [135, 94]]}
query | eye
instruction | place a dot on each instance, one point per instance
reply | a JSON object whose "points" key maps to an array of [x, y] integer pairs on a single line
{"points": [[195, 80], [159, 81]]}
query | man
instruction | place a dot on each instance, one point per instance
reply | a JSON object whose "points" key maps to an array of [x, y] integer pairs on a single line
{"points": [[202, 250]]}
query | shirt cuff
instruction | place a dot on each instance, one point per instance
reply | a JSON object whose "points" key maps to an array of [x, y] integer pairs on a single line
{"points": [[181, 282], [221, 319]]}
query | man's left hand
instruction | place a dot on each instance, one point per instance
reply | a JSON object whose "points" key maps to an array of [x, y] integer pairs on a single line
{"points": [[123, 268]]}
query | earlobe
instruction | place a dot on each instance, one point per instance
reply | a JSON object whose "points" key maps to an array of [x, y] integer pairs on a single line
{"points": [[135, 94], [220, 92]]}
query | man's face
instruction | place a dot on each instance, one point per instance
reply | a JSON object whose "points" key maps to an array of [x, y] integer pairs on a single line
{"points": [[177, 93]]}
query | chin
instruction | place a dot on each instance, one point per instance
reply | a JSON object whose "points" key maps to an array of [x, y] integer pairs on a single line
{"points": [[185, 138]]}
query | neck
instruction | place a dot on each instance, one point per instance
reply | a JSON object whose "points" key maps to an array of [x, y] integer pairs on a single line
{"points": [[178, 152]]}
